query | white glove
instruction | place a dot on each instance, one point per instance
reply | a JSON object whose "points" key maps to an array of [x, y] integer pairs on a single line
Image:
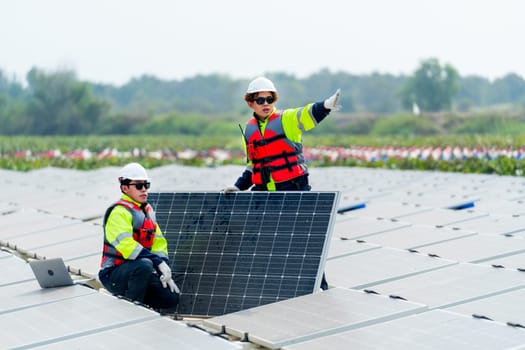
{"points": [[169, 282], [166, 279], [331, 102], [164, 269], [231, 189]]}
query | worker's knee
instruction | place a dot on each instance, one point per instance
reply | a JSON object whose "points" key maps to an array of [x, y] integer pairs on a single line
{"points": [[141, 267]]}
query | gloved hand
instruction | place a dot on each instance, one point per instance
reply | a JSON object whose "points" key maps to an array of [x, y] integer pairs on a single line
{"points": [[164, 269], [166, 279], [169, 282], [231, 189], [331, 102]]}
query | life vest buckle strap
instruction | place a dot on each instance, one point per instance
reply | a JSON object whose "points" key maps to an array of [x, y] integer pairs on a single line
{"points": [[269, 159], [271, 169]]}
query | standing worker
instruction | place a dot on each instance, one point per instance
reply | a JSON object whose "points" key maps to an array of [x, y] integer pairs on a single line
{"points": [[135, 254], [273, 140]]}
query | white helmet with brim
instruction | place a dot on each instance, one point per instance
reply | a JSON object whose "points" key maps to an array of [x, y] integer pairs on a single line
{"points": [[133, 171], [260, 84]]}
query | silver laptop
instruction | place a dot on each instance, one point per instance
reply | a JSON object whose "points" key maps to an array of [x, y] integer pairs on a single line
{"points": [[51, 272]]}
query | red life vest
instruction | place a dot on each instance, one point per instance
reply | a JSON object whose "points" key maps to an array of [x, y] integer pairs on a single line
{"points": [[272, 153], [144, 226]]}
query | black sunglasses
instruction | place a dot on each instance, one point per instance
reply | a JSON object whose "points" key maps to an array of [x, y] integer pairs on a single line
{"points": [[141, 185], [267, 99]]}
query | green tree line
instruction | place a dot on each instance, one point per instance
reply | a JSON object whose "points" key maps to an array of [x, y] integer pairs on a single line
{"points": [[58, 103]]}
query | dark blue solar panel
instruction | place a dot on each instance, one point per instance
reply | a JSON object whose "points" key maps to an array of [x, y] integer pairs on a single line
{"points": [[241, 250]]}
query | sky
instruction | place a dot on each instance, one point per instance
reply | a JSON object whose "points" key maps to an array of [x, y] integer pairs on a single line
{"points": [[113, 41]]}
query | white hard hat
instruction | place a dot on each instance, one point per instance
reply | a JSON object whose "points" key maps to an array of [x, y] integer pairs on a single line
{"points": [[133, 171], [260, 84]]}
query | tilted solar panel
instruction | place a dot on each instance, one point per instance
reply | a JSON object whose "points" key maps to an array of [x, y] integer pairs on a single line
{"points": [[237, 251]]}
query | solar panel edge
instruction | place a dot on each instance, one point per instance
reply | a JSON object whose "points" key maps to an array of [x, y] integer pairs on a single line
{"points": [[328, 238]]}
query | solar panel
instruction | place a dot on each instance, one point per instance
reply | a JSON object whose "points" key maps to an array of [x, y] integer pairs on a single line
{"points": [[453, 285], [506, 308], [157, 333], [237, 251], [435, 329], [312, 316], [390, 264]]}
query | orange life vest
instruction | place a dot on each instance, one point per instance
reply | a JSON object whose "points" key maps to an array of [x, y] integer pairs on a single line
{"points": [[272, 153], [144, 226]]}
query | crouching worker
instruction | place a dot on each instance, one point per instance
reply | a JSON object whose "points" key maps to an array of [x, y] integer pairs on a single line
{"points": [[135, 255]]}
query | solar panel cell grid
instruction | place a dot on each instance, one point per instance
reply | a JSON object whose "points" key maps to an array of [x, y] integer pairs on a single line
{"points": [[236, 251]]}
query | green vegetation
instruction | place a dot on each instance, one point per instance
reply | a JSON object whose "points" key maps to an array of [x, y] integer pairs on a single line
{"points": [[432, 87], [90, 152], [77, 124], [57, 103], [177, 143]]}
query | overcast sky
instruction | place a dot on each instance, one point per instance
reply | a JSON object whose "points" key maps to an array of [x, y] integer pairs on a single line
{"points": [[112, 41]]}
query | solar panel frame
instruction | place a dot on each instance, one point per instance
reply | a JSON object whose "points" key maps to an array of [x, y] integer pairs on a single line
{"points": [[231, 252]]}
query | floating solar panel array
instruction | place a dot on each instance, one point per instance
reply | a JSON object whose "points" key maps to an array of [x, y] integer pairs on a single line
{"points": [[420, 260], [231, 252]]}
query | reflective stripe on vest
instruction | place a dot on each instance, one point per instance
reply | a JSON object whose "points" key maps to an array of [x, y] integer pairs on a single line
{"points": [[271, 153]]}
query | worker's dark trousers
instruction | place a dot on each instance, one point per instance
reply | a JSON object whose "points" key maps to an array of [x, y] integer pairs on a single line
{"points": [[137, 280]]}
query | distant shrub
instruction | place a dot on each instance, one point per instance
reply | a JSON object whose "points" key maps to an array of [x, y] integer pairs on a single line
{"points": [[404, 125], [494, 124]]}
